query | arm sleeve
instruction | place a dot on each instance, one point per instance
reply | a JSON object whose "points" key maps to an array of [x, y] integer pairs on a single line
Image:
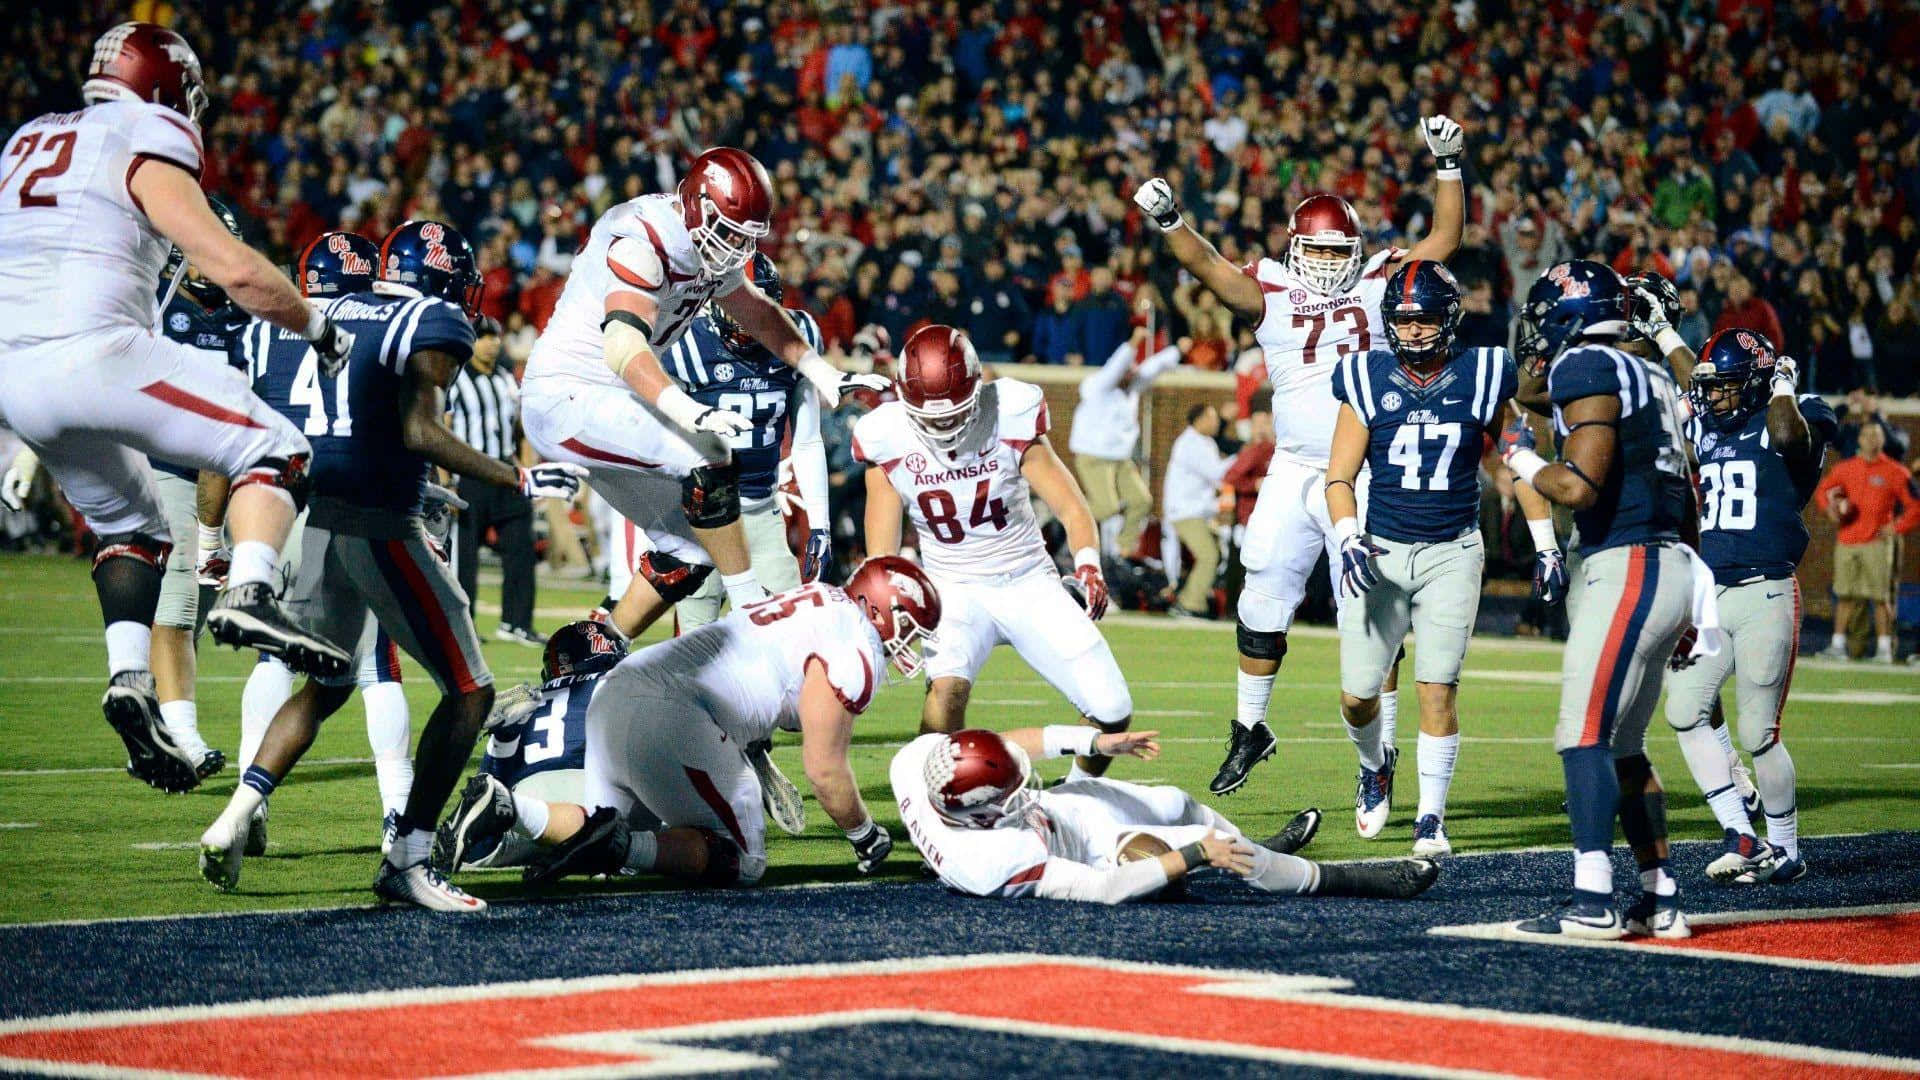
{"points": [[1063, 879], [810, 456], [163, 135]]}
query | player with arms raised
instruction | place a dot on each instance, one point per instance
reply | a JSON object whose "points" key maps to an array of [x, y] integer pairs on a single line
{"points": [[596, 395], [963, 457], [89, 203], [1623, 471], [969, 804], [1758, 467], [1319, 303], [1414, 414]]}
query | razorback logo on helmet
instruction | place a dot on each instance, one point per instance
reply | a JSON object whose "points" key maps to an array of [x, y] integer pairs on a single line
{"points": [[625, 1025], [720, 178], [908, 588], [180, 54], [351, 261]]}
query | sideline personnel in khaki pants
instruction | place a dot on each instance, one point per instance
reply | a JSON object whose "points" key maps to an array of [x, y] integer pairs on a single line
{"points": [[1190, 499]]}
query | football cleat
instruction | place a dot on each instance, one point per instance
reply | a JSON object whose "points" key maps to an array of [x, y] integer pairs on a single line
{"points": [[423, 886], [600, 847], [221, 848], [1397, 879], [1246, 747], [1746, 859], [777, 793], [519, 635], [1659, 916], [257, 831], [389, 831], [1430, 837], [1373, 796], [1583, 915], [1296, 833], [1789, 869], [152, 754], [251, 617], [211, 761], [477, 825]]}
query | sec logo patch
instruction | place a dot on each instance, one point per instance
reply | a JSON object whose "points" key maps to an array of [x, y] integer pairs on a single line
{"points": [[1297, 296], [916, 463], [1390, 400], [723, 372], [177, 322]]}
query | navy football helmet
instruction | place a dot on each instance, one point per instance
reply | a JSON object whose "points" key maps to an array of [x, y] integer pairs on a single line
{"points": [[581, 648], [433, 259], [1730, 381], [1645, 286], [1572, 300], [1426, 288], [767, 277], [209, 295], [335, 264]]}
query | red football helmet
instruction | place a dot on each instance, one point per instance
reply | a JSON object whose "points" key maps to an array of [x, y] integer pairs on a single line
{"points": [[1324, 223], [138, 61], [727, 200], [938, 380], [976, 779], [902, 605]]}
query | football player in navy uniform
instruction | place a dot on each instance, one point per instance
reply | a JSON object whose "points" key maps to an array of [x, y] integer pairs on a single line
{"points": [[1623, 471], [196, 313], [364, 547], [536, 754], [722, 366], [1415, 417], [1759, 447], [333, 265]]}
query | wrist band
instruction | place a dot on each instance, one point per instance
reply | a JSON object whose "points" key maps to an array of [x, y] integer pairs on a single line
{"points": [[1068, 740], [1086, 557], [1346, 529], [1543, 537], [1169, 226], [316, 325], [862, 832], [1194, 854], [1668, 340], [1444, 173], [209, 537], [1526, 464]]}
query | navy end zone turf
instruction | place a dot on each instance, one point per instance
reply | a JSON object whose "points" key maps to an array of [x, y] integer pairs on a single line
{"points": [[1246, 981]]}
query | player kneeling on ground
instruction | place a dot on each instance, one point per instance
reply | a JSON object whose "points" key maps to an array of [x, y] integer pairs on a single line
{"points": [[970, 805], [667, 728]]}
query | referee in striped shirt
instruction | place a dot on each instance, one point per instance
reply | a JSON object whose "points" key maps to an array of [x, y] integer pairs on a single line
{"points": [[485, 405]]}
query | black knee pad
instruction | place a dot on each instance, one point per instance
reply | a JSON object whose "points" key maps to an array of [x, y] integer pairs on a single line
{"points": [[1260, 644], [289, 474], [1121, 724], [672, 578], [723, 861], [144, 548], [710, 495]]}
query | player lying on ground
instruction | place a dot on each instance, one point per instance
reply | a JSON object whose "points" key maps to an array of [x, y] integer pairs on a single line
{"points": [[379, 423], [1317, 303], [970, 805], [1759, 446], [91, 203], [596, 395], [963, 458], [1414, 414], [668, 788], [1623, 471]]}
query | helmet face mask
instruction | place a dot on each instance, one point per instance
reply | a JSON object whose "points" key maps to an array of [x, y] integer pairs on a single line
{"points": [[979, 780], [724, 245], [1324, 249], [1421, 312], [766, 277], [726, 201], [901, 605], [1730, 381]]}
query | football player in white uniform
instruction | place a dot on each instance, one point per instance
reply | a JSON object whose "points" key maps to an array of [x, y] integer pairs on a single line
{"points": [[959, 456], [969, 804], [596, 395], [666, 730], [90, 203], [1319, 303]]}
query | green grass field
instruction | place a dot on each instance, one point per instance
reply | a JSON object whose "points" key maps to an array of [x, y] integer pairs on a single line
{"points": [[81, 839]]}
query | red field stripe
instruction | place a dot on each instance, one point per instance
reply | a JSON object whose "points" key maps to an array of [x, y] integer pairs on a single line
{"points": [[1873, 940]]}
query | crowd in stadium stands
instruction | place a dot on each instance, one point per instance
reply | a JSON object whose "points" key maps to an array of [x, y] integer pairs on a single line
{"points": [[970, 163]]}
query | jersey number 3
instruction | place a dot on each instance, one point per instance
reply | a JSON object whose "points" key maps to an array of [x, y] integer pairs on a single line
{"points": [[1316, 324]]}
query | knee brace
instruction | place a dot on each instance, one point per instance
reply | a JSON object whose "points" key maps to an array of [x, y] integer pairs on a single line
{"points": [[710, 495], [723, 861], [287, 474], [1260, 644], [144, 548], [1112, 712], [671, 577]]}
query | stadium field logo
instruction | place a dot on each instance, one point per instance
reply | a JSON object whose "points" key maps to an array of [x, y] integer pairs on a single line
{"points": [[660, 1025]]}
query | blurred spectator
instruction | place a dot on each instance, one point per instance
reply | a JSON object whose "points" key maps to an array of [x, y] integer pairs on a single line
{"points": [[1862, 409], [1746, 309], [1056, 333], [1867, 498], [484, 403], [1530, 249], [1190, 500], [1103, 317], [1105, 436], [1249, 468], [997, 314]]}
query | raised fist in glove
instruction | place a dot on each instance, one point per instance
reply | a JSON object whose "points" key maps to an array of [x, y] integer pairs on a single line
{"points": [[1549, 576], [1786, 376], [1155, 199], [1445, 139], [1357, 574], [871, 845], [551, 480]]}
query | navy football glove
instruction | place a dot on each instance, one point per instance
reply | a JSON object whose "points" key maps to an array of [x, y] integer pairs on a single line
{"points": [[819, 550], [1357, 574], [1549, 576]]}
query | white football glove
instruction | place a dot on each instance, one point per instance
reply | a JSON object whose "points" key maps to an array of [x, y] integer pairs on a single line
{"points": [[332, 345], [551, 480], [512, 706], [1155, 199], [18, 481], [832, 384], [722, 422], [1651, 317], [211, 559], [1786, 376], [437, 507], [1445, 139]]}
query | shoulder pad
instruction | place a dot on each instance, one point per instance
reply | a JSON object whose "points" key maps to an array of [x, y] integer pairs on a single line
{"points": [[636, 263], [877, 435], [1585, 371], [156, 131]]}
